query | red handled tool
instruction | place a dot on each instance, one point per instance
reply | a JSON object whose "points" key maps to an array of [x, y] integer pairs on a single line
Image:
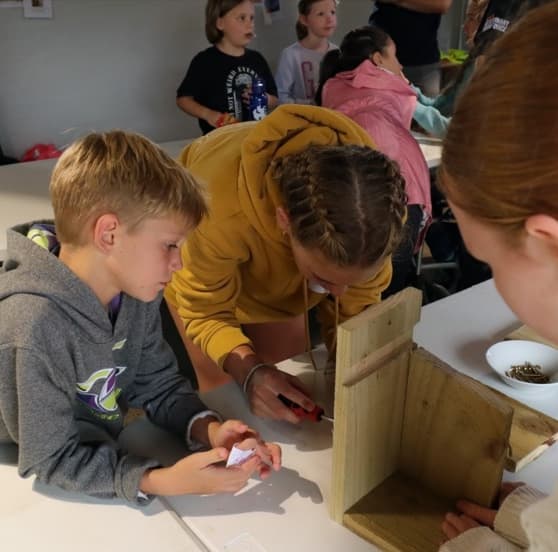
{"points": [[314, 415]]}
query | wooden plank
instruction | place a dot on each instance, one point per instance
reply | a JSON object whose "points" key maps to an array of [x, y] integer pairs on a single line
{"points": [[367, 433], [400, 516], [455, 432], [532, 433], [387, 324], [371, 373]]}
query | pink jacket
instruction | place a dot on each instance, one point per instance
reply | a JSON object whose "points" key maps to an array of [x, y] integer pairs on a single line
{"points": [[383, 104]]}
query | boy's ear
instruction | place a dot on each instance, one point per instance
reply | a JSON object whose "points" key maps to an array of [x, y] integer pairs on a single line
{"points": [[219, 24], [104, 231], [283, 220]]}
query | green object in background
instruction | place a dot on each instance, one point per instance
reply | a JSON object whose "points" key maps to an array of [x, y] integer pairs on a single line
{"points": [[454, 55]]}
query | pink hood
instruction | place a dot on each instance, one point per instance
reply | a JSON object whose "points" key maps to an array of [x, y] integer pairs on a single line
{"points": [[383, 104]]}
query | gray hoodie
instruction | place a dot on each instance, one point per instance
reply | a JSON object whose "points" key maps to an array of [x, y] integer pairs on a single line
{"points": [[65, 370]]}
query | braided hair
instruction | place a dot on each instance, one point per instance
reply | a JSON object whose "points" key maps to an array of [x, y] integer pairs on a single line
{"points": [[346, 201]]}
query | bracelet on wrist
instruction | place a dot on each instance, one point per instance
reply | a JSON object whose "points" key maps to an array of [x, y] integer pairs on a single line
{"points": [[249, 375]]}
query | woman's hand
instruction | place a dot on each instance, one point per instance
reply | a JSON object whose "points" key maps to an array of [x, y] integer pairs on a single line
{"points": [[263, 388], [472, 515]]}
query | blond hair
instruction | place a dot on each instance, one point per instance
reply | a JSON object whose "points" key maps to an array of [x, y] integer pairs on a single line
{"points": [[125, 174], [346, 201], [499, 159]]}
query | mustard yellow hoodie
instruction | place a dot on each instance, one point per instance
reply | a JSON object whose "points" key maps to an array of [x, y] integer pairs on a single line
{"points": [[238, 267]]}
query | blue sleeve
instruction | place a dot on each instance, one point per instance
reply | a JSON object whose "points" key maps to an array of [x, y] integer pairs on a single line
{"points": [[424, 100], [431, 120]]}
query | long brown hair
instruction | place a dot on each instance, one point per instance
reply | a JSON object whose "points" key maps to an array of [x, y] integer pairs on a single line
{"points": [[499, 161], [346, 201]]}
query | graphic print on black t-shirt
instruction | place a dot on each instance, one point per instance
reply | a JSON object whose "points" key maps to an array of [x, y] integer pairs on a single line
{"points": [[216, 80], [238, 80]]}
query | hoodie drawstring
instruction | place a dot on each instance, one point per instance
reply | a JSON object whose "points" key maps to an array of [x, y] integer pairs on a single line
{"points": [[307, 325]]}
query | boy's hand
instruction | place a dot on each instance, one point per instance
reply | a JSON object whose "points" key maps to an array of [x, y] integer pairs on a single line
{"points": [[235, 432], [199, 473]]}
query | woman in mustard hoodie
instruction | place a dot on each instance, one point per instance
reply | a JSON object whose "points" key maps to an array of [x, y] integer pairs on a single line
{"points": [[303, 212]]}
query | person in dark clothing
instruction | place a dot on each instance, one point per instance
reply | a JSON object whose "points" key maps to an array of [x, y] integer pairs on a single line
{"points": [[413, 26]]}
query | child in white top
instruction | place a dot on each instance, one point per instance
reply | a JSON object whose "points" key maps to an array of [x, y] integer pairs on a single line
{"points": [[298, 72]]}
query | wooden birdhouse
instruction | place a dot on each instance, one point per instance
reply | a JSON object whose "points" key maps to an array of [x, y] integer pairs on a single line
{"points": [[411, 434]]}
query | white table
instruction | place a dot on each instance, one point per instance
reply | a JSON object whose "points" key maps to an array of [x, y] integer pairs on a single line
{"points": [[289, 511], [37, 517], [431, 149]]}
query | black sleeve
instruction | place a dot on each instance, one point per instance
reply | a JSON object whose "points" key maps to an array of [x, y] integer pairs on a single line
{"points": [[190, 85], [266, 74]]}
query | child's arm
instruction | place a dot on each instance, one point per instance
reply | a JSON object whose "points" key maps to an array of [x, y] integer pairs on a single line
{"points": [[424, 100], [40, 412], [204, 472], [431, 120], [196, 109], [270, 86], [284, 78], [272, 101]]}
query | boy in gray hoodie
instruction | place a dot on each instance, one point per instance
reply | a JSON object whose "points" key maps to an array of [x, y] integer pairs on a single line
{"points": [[80, 333]]}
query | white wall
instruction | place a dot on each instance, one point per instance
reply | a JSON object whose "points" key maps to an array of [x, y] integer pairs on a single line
{"points": [[102, 64]]}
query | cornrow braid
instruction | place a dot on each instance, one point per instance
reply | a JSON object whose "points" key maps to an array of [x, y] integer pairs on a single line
{"points": [[346, 201]]}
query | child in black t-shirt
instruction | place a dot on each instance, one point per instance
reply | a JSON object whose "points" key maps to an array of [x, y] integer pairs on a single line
{"points": [[217, 85]]}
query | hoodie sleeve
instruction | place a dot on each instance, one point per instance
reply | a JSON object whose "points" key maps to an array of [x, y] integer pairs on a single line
{"points": [[431, 120], [480, 539], [166, 396], [351, 303], [206, 289], [421, 98], [509, 516], [37, 410]]}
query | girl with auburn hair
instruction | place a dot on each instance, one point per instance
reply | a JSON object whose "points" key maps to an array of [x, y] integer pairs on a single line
{"points": [[303, 213], [500, 172]]}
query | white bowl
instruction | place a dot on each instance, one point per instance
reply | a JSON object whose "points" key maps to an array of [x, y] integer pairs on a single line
{"points": [[505, 354]]}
